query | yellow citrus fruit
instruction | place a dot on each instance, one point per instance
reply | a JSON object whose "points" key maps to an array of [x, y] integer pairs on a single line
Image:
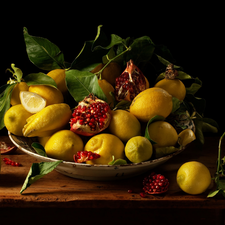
{"points": [[32, 102], [58, 75], [51, 118], [186, 136], [15, 97], [107, 88], [151, 102], [138, 149], [163, 134], [124, 125], [106, 145], [51, 94], [63, 145], [15, 119], [193, 177], [175, 87], [43, 140]]}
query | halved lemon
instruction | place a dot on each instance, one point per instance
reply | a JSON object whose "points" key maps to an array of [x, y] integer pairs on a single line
{"points": [[32, 102], [186, 136]]}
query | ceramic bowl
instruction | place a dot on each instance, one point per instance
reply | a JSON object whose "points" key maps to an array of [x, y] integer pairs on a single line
{"points": [[91, 172]]}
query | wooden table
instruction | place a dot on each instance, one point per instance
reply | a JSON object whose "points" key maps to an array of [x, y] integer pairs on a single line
{"points": [[62, 199]]}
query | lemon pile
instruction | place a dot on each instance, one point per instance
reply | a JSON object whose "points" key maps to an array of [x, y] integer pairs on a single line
{"points": [[40, 111]]}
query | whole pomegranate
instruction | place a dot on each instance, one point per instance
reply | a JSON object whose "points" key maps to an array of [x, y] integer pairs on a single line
{"points": [[130, 83], [91, 116]]}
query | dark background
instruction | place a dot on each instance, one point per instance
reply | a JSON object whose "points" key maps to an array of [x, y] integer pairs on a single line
{"points": [[193, 33]]}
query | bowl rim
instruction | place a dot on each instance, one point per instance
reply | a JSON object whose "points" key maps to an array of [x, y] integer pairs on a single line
{"points": [[73, 164]]}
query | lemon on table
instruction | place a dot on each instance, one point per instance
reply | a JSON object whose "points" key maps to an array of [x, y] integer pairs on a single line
{"points": [[63, 145], [124, 125], [138, 149], [107, 146], [163, 133], [50, 94], [193, 177], [15, 119], [32, 102], [151, 102]]}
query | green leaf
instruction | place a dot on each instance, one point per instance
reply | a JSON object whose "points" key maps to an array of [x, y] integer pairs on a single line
{"points": [[37, 171], [81, 83], [39, 149], [152, 120], [18, 74], [176, 104], [183, 76], [39, 79], [5, 97], [42, 53], [142, 50], [194, 87], [117, 161], [213, 193], [122, 105]]}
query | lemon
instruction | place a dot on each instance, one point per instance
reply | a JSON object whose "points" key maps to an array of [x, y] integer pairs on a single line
{"points": [[50, 94], [175, 87], [32, 102], [106, 145], [124, 125], [138, 149], [163, 134], [107, 88], [50, 119], [193, 177], [151, 102], [186, 136], [58, 75], [15, 119], [63, 145], [15, 98]]}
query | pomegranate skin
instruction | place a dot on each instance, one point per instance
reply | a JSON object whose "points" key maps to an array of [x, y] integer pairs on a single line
{"points": [[91, 116], [130, 83]]}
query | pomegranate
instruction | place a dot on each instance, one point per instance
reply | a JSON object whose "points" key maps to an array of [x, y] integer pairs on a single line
{"points": [[83, 156], [155, 184], [91, 116], [130, 83], [6, 148]]}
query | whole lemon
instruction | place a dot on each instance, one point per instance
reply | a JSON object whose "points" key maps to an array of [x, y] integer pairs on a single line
{"points": [[175, 87], [15, 119], [106, 145], [107, 88], [58, 75], [124, 125], [15, 97], [63, 145], [138, 149], [50, 94], [193, 177], [151, 102], [163, 134]]}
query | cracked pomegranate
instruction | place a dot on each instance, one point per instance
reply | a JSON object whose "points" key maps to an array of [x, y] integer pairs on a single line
{"points": [[83, 156], [155, 184], [6, 148], [130, 83], [91, 116]]}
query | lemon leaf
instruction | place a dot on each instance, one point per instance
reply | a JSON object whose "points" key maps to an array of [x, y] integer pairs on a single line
{"points": [[37, 171], [153, 119], [117, 161], [39, 149]]}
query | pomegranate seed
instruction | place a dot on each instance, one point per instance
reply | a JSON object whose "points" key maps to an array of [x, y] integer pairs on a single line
{"points": [[8, 161], [130, 191], [143, 195], [83, 156]]}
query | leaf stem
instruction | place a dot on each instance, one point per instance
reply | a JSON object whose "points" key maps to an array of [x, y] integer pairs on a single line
{"points": [[219, 155], [110, 60]]}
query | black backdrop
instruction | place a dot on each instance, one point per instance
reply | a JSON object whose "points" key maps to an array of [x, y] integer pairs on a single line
{"points": [[193, 33]]}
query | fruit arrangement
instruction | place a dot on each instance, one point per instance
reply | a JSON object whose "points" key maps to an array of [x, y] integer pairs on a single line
{"points": [[101, 108]]}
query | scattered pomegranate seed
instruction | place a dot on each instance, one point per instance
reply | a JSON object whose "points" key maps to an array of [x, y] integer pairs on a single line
{"points": [[155, 184], [83, 156], [143, 195], [130, 191], [8, 161]]}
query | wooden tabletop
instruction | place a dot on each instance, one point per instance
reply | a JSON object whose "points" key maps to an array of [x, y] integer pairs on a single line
{"points": [[55, 189]]}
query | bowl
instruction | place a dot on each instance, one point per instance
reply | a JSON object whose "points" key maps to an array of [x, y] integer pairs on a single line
{"points": [[91, 172]]}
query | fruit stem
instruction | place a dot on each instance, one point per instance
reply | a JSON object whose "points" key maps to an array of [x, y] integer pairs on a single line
{"points": [[219, 155], [17, 74], [110, 60]]}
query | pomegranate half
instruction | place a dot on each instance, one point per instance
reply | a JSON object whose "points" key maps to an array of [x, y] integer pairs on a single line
{"points": [[91, 116]]}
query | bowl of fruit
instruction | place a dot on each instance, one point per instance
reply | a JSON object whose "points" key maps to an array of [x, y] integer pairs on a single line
{"points": [[100, 117]]}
